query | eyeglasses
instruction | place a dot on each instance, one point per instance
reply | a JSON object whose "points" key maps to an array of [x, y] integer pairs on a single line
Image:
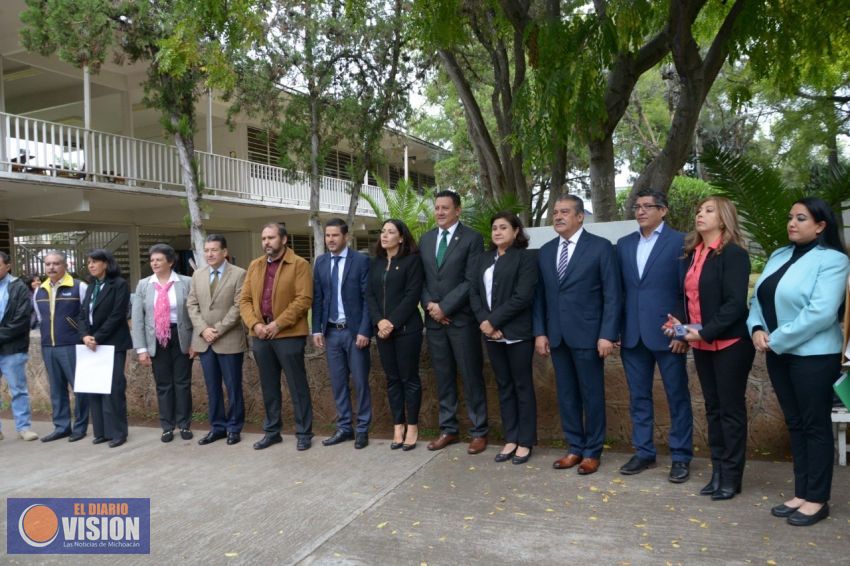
{"points": [[646, 207]]}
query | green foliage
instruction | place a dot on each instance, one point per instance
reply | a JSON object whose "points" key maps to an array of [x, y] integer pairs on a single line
{"points": [[404, 204], [478, 212], [762, 198], [684, 194], [80, 31]]}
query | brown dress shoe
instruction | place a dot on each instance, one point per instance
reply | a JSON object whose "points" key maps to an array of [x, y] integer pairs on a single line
{"points": [[567, 462], [443, 441], [478, 445], [588, 466]]}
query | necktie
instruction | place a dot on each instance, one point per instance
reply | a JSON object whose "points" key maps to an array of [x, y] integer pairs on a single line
{"points": [[97, 286], [214, 283], [162, 313], [441, 249], [334, 311], [562, 260]]}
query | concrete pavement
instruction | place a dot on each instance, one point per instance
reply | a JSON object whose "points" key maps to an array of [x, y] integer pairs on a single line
{"points": [[222, 504]]}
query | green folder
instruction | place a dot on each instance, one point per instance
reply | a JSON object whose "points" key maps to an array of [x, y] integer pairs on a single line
{"points": [[842, 389]]}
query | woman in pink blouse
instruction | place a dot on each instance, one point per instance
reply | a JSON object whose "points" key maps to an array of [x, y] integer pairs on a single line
{"points": [[716, 286]]}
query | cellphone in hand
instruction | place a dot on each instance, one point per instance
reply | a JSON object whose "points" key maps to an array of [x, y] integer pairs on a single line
{"points": [[681, 330]]}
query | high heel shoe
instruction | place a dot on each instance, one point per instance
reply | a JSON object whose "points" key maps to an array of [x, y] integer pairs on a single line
{"points": [[712, 485], [397, 445], [504, 457], [517, 460], [408, 446], [727, 490]]}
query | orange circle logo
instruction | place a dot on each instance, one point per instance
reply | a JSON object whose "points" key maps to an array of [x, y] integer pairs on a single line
{"points": [[38, 525]]}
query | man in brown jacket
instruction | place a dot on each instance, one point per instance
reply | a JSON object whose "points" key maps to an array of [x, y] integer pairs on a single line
{"points": [[219, 338], [276, 296]]}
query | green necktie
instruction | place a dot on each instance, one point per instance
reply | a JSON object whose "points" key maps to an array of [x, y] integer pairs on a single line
{"points": [[441, 249], [97, 285], [214, 283]]}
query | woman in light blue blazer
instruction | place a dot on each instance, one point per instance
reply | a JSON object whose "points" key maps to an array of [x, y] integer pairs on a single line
{"points": [[794, 319]]}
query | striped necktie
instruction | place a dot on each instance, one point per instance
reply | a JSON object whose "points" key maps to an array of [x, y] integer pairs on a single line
{"points": [[562, 261]]}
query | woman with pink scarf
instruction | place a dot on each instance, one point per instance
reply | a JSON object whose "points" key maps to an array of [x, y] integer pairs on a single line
{"points": [[162, 334]]}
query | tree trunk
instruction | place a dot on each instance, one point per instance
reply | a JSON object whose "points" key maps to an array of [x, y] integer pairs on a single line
{"points": [[602, 176], [186, 152], [315, 179]]}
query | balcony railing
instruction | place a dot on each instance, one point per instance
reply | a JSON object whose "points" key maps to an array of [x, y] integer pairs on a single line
{"points": [[36, 147]]}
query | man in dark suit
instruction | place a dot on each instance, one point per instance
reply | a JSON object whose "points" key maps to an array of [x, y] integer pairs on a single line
{"points": [[577, 320], [651, 267], [342, 326], [450, 257]]}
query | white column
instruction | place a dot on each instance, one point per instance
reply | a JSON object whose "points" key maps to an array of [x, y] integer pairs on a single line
{"points": [[128, 126], [86, 97], [406, 172], [209, 122], [3, 156], [135, 256]]}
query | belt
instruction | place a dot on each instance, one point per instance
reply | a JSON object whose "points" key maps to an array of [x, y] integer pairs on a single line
{"points": [[337, 325]]}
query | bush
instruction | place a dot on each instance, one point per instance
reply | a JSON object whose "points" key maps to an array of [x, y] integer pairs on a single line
{"points": [[683, 196]]}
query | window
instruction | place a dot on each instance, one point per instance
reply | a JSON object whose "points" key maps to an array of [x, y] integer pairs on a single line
{"points": [[262, 147], [337, 165]]}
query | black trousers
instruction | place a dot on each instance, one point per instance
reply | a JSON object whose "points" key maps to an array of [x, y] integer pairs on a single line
{"points": [[517, 403], [285, 354], [400, 359], [172, 371], [109, 412], [803, 385], [723, 377], [454, 348]]}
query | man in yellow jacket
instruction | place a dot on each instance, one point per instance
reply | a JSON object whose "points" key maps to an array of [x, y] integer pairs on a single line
{"points": [[276, 296]]}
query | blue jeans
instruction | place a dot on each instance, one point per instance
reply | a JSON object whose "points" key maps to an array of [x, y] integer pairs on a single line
{"points": [[60, 363], [13, 368]]}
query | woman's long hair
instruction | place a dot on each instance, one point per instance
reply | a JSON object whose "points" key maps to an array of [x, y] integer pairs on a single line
{"points": [[730, 228], [408, 243], [113, 270], [822, 212]]}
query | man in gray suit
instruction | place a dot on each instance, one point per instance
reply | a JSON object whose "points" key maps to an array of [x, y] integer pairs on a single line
{"points": [[450, 257], [219, 337]]}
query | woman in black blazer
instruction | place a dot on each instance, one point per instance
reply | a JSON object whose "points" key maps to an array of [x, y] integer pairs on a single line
{"points": [[716, 284], [501, 299], [395, 287], [103, 322]]}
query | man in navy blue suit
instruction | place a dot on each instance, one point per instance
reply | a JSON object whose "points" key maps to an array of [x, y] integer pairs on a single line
{"points": [[577, 311], [342, 326], [652, 271]]}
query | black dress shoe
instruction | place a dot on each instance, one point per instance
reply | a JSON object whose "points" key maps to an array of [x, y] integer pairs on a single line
{"points": [[267, 441], [115, 443], [799, 519], [233, 438], [211, 437], [76, 436], [636, 465], [99, 440], [55, 435], [782, 510], [303, 444], [396, 445], [680, 472], [712, 485], [167, 436], [361, 440], [338, 437], [517, 460], [408, 447], [186, 434], [502, 457], [727, 490]]}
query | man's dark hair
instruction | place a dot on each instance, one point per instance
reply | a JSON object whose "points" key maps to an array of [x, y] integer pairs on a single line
{"points": [[279, 226], [113, 270], [217, 238], [451, 194], [5, 257], [573, 199], [658, 197], [339, 223], [166, 250]]}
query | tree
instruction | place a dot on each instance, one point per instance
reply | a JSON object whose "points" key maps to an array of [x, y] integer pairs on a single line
{"points": [[186, 44]]}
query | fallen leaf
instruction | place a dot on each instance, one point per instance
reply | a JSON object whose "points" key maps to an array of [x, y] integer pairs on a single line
{"points": [[469, 518], [594, 488], [231, 554], [550, 510], [382, 525], [415, 524], [647, 546], [640, 525], [471, 468]]}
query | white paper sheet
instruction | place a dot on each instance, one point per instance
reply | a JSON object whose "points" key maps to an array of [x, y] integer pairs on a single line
{"points": [[94, 370]]}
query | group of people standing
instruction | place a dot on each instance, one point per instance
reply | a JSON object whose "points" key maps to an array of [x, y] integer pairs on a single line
{"points": [[654, 296]]}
